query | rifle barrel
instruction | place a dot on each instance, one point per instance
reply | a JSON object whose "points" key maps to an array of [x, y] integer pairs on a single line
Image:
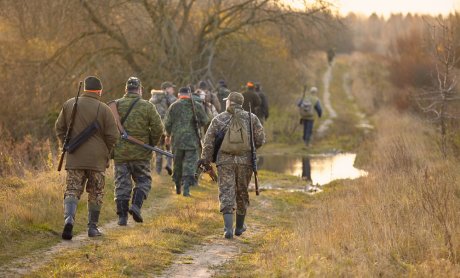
{"points": [[69, 128], [253, 152]]}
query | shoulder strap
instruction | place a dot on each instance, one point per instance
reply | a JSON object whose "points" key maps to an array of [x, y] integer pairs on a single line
{"points": [[129, 110]]}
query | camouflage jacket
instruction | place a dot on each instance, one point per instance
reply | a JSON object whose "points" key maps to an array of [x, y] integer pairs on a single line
{"points": [[143, 123], [219, 123], [180, 124], [162, 101]]}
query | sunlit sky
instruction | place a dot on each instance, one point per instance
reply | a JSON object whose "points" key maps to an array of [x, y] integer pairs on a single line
{"points": [[387, 7]]}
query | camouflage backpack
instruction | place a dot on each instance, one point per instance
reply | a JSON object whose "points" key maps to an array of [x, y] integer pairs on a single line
{"points": [[306, 107], [236, 140]]}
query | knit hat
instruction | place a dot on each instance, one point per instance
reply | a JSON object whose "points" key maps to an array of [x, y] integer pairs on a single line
{"points": [[313, 90], [202, 85], [236, 98], [184, 90], [92, 83]]}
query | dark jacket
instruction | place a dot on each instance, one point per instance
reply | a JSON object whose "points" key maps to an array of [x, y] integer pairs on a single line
{"points": [[94, 153], [250, 96]]}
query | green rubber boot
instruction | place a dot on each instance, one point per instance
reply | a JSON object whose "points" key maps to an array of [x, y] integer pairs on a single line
{"points": [[70, 209], [240, 226], [228, 223], [94, 211]]}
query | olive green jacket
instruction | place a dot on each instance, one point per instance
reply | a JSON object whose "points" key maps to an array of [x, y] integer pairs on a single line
{"points": [[94, 153]]}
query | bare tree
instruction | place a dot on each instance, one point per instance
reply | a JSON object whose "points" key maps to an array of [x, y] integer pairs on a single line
{"points": [[437, 100]]}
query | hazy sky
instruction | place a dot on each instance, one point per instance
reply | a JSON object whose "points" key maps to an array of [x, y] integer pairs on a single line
{"points": [[386, 7]]}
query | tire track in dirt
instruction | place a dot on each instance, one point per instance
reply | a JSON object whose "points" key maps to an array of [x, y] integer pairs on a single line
{"points": [[39, 258], [332, 114], [204, 260]]}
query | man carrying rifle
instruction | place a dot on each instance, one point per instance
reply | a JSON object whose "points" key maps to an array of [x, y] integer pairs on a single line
{"points": [[87, 160], [182, 123], [139, 119], [162, 100], [234, 159]]}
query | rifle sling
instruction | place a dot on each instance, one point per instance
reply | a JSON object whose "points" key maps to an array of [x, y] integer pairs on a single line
{"points": [[131, 106]]}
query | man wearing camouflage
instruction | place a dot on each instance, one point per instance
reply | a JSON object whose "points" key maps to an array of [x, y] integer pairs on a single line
{"points": [[180, 128], [132, 162], [222, 92], [87, 164], [162, 100], [211, 102], [234, 171]]}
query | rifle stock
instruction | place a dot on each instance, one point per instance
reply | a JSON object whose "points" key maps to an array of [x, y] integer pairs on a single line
{"points": [[69, 128], [253, 152]]}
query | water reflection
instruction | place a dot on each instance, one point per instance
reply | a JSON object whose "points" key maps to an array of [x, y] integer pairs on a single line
{"points": [[319, 169]]}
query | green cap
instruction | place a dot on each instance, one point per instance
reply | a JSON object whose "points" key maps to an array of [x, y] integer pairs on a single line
{"points": [[235, 97], [166, 85]]}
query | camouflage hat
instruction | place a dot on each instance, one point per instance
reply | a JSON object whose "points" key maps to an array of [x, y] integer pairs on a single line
{"points": [[235, 97], [133, 83], [167, 84]]}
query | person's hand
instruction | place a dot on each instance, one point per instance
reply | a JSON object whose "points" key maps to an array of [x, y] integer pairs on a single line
{"points": [[168, 140], [203, 162]]}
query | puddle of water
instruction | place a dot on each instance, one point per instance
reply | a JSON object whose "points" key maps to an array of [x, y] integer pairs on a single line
{"points": [[319, 169]]}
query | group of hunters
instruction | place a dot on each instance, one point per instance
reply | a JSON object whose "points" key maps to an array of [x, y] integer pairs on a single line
{"points": [[128, 129], [171, 124]]}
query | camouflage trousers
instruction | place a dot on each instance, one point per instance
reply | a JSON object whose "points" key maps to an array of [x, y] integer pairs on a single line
{"points": [[129, 171], [233, 182], [184, 164], [94, 181], [159, 162]]}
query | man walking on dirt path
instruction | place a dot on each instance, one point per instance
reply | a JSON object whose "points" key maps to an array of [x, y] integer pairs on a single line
{"points": [[132, 161], [251, 97], [182, 134], [162, 100], [86, 165], [307, 106], [234, 164], [261, 111]]}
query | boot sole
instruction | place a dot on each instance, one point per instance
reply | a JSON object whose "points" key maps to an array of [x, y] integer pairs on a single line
{"points": [[67, 232], [239, 233], [136, 216]]}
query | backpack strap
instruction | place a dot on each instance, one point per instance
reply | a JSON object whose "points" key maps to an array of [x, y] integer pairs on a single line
{"points": [[131, 106]]}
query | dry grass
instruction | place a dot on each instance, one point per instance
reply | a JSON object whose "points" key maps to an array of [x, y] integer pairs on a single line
{"points": [[31, 211], [148, 248]]}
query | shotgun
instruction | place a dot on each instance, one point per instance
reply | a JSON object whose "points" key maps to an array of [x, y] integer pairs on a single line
{"points": [[69, 128], [253, 151]]}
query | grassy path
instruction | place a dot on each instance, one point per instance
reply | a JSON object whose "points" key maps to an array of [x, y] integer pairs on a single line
{"points": [[182, 237]]}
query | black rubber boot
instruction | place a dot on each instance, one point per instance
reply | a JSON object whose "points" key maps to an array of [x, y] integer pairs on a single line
{"points": [[136, 205], [169, 170], [240, 226], [93, 219], [70, 208], [122, 212], [178, 188], [228, 223]]}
